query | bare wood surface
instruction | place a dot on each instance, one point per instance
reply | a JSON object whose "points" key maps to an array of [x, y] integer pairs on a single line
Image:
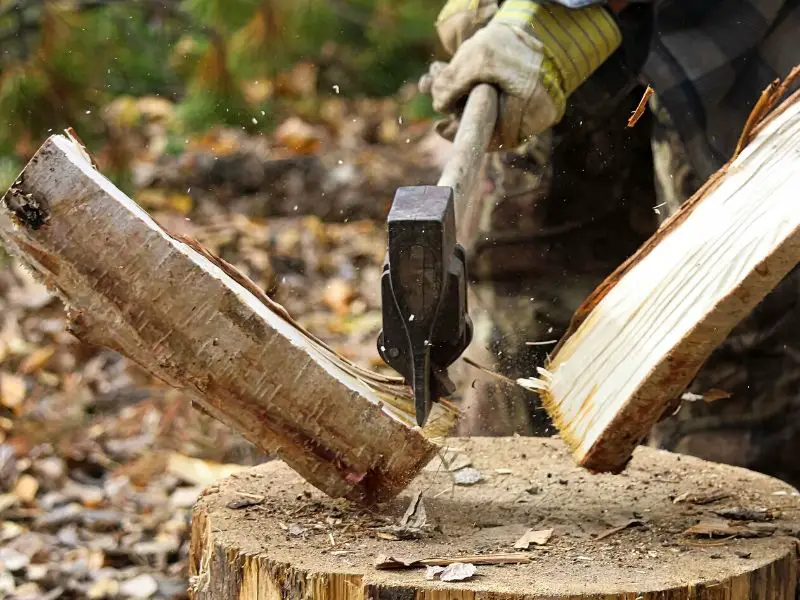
{"points": [[475, 130], [197, 324], [644, 333], [613, 537]]}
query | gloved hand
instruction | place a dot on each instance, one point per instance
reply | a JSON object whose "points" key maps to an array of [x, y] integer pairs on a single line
{"points": [[536, 54], [459, 19]]}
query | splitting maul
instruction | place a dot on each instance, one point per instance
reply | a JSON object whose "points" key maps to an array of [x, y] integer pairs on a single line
{"points": [[426, 323]]}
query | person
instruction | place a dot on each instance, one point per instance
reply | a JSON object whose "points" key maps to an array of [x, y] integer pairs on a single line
{"points": [[572, 191]]}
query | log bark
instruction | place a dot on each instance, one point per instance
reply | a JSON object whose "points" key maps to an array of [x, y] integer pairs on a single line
{"points": [[193, 321], [265, 534], [644, 333]]}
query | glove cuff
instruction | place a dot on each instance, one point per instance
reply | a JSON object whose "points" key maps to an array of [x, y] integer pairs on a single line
{"points": [[459, 19], [576, 41]]}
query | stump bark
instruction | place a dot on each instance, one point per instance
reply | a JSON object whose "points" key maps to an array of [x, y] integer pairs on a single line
{"points": [[669, 527]]}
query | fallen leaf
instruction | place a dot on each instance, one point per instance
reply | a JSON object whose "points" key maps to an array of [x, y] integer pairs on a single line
{"points": [[467, 476], [196, 471], [458, 572], [540, 538], [12, 391], [141, 586], [36, 359], [338, 296], [26, 488]]}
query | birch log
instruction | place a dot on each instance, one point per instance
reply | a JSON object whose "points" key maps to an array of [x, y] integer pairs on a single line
{"points": [[642, 335], [193, 321]]}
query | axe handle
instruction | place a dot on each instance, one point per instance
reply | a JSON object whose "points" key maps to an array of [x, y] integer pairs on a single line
{"points": [[475, 130]]}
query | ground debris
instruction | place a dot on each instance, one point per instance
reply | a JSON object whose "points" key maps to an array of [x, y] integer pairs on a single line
{"points": [[614, 530], [701, 498], [740, 513], [467, 476], [539, 538], [721, 528], [514, 558]]}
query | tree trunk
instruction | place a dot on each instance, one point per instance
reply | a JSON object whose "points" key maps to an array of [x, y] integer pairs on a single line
{"points": [[265, 534], [192, 320], [643, 334]]}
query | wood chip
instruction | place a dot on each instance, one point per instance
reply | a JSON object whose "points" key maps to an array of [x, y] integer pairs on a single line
{"points": [[614, 530], [740, 513], [467, 476], [458, 572], [514, 558], [639, 110], [701, 498], [540, 538], [716, 528]]}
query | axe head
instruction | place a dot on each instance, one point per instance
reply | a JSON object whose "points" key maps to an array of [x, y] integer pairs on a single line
{"points": [[424, 294]]}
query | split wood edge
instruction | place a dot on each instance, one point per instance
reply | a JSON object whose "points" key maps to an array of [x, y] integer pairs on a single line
{"points": [[193, 321], [603, 430]]}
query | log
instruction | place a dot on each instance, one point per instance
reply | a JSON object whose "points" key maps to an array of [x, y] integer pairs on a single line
{"points": [[638, 340], [265, 534], [193, 321]]}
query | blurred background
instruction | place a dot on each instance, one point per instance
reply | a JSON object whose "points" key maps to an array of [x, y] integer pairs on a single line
{"points": [[273, 131]]}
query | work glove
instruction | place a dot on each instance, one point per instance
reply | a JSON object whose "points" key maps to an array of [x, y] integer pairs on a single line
{"points": [[537, 54], [459, 19]]}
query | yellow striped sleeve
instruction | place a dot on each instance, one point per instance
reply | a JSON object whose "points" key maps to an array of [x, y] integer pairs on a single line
{"points": [[576, 41]]}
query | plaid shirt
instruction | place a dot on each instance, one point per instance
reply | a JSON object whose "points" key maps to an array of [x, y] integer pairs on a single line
{"points": [[708, 62]]}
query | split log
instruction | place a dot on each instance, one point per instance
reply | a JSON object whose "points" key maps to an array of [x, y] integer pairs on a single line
{"points": [[644, 333], [196, 323], [265, 534]]}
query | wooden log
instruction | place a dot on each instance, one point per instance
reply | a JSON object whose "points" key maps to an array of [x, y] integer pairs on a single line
{"points": [[265, 534], [195, 322], [643, 334]]}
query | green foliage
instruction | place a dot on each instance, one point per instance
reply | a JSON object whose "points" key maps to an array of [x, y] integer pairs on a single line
{"points": [[62, 66]]}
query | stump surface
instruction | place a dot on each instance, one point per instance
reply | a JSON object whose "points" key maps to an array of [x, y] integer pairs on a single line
{"points": [[267, 534]]}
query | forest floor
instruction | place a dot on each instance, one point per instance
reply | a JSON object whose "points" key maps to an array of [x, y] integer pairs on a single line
{"points": [[100, 463]]}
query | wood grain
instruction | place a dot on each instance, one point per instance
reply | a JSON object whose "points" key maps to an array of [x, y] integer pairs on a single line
{"points": [[176, 311]]}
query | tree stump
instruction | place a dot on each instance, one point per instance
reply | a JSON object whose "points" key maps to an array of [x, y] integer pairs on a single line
{"points": [[668, 527]]}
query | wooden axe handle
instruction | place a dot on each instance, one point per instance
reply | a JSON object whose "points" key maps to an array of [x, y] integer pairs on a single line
{"points": [[475, 130]]}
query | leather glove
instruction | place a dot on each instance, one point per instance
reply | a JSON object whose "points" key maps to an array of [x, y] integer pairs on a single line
{"points": [[459, 19], [537, 54]]}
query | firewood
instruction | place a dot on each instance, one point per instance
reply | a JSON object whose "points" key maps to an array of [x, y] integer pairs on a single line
{"points": [[644, 333], [193, 321]]}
